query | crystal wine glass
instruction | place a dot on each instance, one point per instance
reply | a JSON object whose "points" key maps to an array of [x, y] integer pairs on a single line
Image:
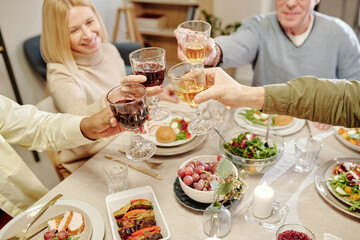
{"points": [[150, 62], [194, 36], [188, 79], [129, 105]]}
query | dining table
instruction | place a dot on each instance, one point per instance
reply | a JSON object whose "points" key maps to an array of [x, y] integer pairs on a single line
{"points": [[297, 190]]}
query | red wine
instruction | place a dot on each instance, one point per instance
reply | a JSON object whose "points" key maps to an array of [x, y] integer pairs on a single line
{"points": [[154, 73], [132, 115]]}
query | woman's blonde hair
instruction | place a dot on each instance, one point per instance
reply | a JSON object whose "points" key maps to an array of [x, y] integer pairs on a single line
{"points": [[55, 37]]}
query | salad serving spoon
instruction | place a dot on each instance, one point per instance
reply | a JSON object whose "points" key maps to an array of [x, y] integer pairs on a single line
{"points": [[267, 132]]}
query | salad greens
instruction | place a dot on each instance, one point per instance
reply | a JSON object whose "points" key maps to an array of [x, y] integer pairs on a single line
{"points": [[182, 125], [348, 190], [249, 145], [250, 114]]}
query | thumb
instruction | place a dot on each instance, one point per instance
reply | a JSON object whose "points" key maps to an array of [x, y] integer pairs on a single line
{"points": [[205, 95]]}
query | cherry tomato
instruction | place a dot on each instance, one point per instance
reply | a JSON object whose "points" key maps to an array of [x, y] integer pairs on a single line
{"points": [[220, 156]]}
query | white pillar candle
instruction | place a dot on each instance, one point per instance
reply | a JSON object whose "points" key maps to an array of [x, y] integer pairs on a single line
{"points": [[262, 201]]}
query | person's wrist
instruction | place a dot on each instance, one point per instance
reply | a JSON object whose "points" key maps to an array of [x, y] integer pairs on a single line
{"points": [[218, 59]]}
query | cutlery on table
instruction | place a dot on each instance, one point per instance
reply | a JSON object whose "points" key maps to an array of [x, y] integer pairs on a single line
{"points": [[222, 138], [22, 234], [266, 144], [153, 164], [136, 167], [40, 227]]}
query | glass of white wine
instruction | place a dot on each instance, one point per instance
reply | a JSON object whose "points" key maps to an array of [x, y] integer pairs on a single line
{"points": [[194, 36], [188, 79]]}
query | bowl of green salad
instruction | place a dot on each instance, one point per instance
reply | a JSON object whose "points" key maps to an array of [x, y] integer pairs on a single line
{"points": [[249, 151]]}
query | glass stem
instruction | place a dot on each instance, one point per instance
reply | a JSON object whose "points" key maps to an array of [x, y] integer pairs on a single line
{"points": [[198, 113], [154, 102], [137, 139]]}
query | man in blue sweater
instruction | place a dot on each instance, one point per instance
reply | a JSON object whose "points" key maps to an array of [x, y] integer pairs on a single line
{"points": [[295, 41]]}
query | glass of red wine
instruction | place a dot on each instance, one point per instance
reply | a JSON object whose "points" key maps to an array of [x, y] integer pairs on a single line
{"points": [[129, 105], [150, 62]]}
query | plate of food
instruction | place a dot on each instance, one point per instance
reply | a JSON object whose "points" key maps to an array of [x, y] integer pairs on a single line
{"points": [[168, 133], [136, 214], [254, 119], [66, 219], [324, 174], [350, 137], [343, 179]]}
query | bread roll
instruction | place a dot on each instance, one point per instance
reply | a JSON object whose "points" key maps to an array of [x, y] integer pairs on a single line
{"points": [[165, 134], [282, 120]]}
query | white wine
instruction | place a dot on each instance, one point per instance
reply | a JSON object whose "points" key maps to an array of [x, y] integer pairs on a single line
{"points": [[195, 52], [187, 94]]}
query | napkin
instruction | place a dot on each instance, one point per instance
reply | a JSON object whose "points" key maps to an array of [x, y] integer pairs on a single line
{"points": [[328, 236]]}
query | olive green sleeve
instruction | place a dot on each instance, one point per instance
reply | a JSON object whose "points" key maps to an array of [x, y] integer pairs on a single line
{"points": [[335, 102]]}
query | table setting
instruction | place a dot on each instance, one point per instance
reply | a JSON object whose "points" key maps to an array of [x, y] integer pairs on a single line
{"points": [[298, 192], [207, 171]]}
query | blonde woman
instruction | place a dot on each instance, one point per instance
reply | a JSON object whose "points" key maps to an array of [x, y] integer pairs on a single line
{"points": [[82, 66]]}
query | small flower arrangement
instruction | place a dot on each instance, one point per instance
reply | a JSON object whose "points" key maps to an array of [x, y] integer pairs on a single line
{"points": [[226, 183]]}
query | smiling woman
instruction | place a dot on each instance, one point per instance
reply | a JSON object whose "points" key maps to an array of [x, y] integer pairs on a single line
{"points": [[82, 66], [84, 28]]}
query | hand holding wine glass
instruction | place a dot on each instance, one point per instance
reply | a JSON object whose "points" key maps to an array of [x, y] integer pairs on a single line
{"points": [[188, 79], [150, 62], [194, 41], [129, 105]]}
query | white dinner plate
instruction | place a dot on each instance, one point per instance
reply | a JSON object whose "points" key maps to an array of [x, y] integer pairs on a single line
{"points": [[166, 122], [94, 224], [292, 128], [115, 201], [344, 141], [329, 174], [320, 178], [243, 109]]}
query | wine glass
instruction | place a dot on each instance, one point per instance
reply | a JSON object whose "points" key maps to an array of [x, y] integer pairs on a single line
{"points": [[188, 79], [150, 62], [129, 105], [194, 36]]}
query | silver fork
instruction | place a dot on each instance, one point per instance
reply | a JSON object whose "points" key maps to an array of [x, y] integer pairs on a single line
{"points": [[21, 235]]}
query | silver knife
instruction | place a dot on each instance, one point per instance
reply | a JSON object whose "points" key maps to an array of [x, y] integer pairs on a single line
{"points": [[40, 227]]}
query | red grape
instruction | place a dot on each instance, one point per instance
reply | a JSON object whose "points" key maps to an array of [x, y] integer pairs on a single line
{"points": [[199, 162], [203, 176], [188, 180], [181, 173], [49, 235], [189, 171], [190, 165], [62, 235], [199, 169], [199, 186], [196, 177]]}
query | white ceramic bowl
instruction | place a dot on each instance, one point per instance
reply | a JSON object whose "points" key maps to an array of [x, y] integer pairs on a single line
{"points": [[197, 195]]}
